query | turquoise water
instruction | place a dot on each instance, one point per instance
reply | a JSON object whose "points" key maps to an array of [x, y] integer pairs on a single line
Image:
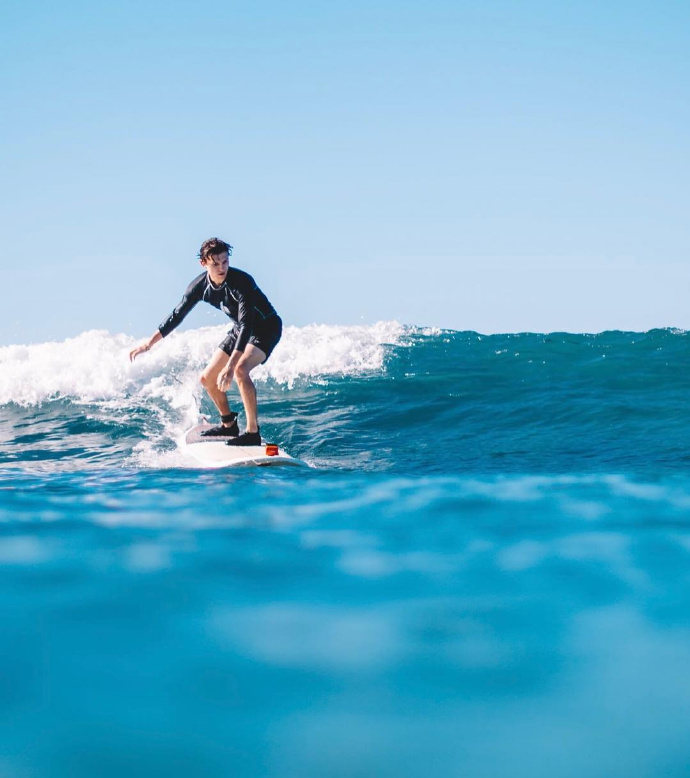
{"points": [[485, 572]]}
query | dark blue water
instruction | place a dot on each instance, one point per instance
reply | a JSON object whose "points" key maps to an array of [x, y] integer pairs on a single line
{"points": [[484, 573]]}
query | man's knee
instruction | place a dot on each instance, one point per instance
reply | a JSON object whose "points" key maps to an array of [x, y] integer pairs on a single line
{"points": [[205, 380], [242, 372]]}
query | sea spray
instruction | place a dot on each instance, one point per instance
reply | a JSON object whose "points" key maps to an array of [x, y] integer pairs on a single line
{"points": [[94, 366]]}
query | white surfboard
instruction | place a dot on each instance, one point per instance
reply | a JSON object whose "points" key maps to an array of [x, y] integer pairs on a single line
{"points": [[212, 452]]}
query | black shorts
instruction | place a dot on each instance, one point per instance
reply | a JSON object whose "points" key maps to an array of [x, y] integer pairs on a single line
{"points": [[265, 336]]}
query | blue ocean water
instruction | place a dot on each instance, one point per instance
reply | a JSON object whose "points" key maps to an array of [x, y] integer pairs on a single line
{"points": [[485, 572]]}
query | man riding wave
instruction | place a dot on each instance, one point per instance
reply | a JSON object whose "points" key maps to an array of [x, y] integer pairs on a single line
{"points": [[255, 333]]}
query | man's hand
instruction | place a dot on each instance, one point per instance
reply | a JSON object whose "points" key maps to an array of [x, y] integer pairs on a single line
{"points": [[134, 353], [225, 378]]}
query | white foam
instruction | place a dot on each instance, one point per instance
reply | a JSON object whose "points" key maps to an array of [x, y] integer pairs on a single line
{"points": [[323, 350], [94, 367]]}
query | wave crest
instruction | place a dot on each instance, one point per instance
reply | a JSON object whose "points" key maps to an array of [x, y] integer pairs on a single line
{"points": [[95, 367]]}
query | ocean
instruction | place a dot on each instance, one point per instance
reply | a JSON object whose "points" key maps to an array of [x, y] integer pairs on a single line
{"points": [[484, 572]]}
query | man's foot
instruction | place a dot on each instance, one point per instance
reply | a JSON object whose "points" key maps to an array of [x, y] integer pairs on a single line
{"points": [[223, 431], [246, 439]]}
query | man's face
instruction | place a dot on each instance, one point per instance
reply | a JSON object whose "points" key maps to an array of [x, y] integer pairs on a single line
{"points": [[217, 266]]}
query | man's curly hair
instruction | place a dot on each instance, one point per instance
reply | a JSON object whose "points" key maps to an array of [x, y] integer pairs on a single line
{"points": [[213, 246]]}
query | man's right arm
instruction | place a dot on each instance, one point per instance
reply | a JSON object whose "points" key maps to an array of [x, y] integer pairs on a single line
{"points": [[134, 353], [190, 298]]}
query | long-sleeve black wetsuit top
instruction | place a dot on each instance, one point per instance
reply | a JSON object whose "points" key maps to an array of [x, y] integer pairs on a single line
{"points": [[238, 297]]}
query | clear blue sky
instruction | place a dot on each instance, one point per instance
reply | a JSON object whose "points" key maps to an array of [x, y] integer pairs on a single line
{"points": [[496, 166]]}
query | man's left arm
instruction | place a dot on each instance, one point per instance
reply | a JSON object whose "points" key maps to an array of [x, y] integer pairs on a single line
{"points": [[245, 315], [245, 322]]}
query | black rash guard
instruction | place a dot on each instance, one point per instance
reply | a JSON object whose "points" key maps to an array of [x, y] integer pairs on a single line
{"points": [[238, 297]]}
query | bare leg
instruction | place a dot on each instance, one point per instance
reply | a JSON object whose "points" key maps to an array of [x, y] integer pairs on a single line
{"points": [[209, 381], [252, 357]]}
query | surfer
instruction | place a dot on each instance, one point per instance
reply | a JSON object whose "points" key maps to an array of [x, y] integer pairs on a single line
{"points": [[255, 333]]}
